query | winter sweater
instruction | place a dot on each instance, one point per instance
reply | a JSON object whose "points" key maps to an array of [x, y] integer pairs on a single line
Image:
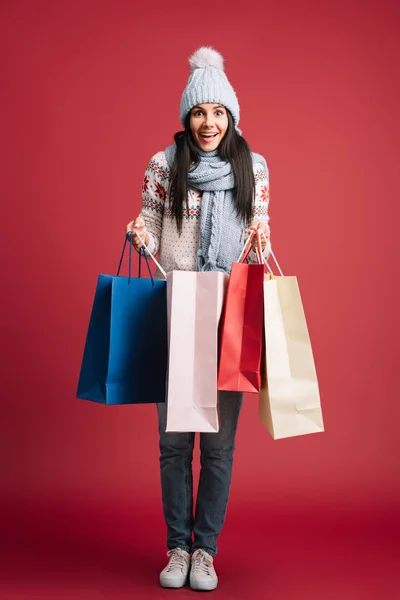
{"points": [[178, 252]]}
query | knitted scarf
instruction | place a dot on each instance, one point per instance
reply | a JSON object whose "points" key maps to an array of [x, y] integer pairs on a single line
{"points": [[221, 228]]}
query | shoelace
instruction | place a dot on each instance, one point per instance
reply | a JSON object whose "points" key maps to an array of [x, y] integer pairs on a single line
{"points": [[177, 560], [202, 563]]}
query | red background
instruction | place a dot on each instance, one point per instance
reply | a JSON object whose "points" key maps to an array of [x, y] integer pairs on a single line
{"points": [[90, 92]]}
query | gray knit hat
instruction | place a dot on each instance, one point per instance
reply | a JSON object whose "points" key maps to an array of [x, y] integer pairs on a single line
{"points": [[208, 83]]}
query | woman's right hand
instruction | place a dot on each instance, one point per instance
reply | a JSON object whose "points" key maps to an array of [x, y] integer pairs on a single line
{"points": [[138, 226]]}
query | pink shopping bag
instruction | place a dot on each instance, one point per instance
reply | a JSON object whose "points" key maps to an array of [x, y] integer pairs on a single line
{"points": [[194, 302]]}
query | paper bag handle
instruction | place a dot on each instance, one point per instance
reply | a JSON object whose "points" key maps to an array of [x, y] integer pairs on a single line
{"points": [[247, 248], [273, 256], [141, 253], [122, 258], [145, 248]]}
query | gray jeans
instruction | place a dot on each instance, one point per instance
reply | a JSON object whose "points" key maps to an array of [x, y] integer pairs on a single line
{"points": [[216, 458]]}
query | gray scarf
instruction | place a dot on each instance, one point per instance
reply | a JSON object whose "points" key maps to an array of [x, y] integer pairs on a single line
{"points": [[221, 229]]}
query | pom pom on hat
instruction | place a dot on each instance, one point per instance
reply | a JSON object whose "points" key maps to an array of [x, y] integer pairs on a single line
{"points": [[208, 83], [206, 57]]}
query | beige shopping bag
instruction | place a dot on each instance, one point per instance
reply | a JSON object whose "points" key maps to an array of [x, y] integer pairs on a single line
{"points": [[194, 303], [289, 401]]}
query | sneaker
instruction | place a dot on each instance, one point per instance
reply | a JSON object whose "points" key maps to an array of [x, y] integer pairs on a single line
{"points": [[176, 572], [202, 572]]}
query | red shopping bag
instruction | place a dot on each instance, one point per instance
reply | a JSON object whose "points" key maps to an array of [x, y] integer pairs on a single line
{"points": [[242, 328]]}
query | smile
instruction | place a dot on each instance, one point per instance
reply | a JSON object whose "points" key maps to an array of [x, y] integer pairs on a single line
{"points": [[207, 137]]}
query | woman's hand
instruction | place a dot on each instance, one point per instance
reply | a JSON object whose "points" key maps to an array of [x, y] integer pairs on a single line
{"points": [[261, 228], [138, 226]]}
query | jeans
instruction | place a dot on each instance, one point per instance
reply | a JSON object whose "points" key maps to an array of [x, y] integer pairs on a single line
{"points": [[216, 459]]}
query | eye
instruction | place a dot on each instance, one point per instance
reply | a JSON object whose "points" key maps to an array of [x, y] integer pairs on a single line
{"points": [[197, 113], [219, 113]]}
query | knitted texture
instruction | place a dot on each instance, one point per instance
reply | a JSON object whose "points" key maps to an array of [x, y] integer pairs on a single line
{"points": [[208, 83], [221, 229], [179, 252]]}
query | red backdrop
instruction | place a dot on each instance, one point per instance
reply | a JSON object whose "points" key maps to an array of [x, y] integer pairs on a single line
{"points": [[92, 91]]}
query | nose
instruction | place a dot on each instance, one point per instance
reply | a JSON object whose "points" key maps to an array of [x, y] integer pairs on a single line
{"points": [[209, 119]]}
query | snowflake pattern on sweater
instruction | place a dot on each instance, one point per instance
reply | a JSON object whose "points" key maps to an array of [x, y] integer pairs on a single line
{"points": [[178, 252]]}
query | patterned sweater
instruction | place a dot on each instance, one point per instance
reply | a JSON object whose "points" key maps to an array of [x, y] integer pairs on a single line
{"points": [[178, 252]]}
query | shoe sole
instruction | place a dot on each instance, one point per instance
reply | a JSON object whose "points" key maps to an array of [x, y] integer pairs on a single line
{"points": [[173, 583], [203, 587]]}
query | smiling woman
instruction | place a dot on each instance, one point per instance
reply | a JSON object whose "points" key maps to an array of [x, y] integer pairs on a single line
{"points": [[200, 198]]}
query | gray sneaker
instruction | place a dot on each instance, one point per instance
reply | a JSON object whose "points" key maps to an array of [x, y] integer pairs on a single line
{"points": [[202, 573], [176, 572]]}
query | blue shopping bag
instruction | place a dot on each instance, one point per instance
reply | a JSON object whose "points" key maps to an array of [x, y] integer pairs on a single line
{"points": [[125, 355]]}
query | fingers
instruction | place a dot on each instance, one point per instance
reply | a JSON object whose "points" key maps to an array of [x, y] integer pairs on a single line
{"points": [[258, 225], [139, 223], [139, 233], [254, 224], [135, 224], [260, 228]]}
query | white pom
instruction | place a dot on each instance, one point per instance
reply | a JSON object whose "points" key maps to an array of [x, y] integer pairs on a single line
{"points": [[206, 57]]}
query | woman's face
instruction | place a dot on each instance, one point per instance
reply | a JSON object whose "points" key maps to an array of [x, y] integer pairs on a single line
{"points": [[208, 124]]}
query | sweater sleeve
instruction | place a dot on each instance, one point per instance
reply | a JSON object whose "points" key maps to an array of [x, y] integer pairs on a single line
{"points": [[261, 205], [154, 195]]}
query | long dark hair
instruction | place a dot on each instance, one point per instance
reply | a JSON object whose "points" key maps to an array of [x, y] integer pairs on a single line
{"points": [[234, 148]]}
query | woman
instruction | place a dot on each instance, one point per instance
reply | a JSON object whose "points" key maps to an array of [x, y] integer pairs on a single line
{"points": [[200, 198]]}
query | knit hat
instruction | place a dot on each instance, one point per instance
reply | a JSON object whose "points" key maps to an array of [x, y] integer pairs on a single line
{"points": [[208, 83]]}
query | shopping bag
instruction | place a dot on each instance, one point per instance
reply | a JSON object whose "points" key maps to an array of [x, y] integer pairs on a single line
{"points": [[289, 401], [126, 353], [194, 302], [242, 328]]}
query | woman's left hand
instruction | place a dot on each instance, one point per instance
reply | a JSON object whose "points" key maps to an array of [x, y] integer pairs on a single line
{"points": [[261, 227]]}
